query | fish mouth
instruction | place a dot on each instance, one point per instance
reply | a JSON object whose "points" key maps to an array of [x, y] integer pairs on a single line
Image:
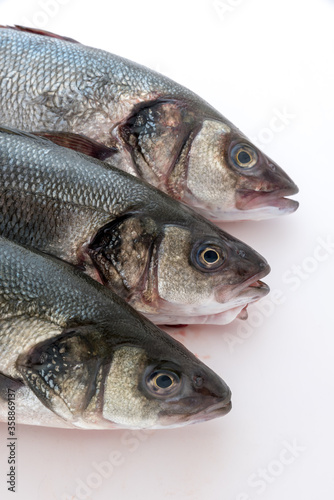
{"points": [[255, 291], [219, 408], [248, 291], [249, 199], [252, 292]]}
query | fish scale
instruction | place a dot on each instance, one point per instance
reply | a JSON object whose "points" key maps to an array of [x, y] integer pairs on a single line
{"points": [[72, 206], [64, 340], [139, 121], [89, 74]]}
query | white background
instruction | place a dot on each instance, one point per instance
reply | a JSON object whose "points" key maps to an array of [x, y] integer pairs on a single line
{"points": [[250, 59]]}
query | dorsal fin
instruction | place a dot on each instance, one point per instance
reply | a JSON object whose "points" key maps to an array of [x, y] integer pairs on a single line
{"points": [[38, 31], [79, 143]]}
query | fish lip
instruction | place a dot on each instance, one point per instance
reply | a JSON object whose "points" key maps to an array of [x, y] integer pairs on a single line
{"points": [[248, 199]]}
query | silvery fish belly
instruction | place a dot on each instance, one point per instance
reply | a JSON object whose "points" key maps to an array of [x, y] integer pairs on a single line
{"points": [[143, 122], [73, 354], [159, 255]]}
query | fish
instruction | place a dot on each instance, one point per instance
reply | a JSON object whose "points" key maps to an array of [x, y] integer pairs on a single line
{"points": [[73, 354], [140, 121], [158, 254]]}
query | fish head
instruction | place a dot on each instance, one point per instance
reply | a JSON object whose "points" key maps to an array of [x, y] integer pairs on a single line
{"points": [[179, 273], [156, 389], [228, 178], [197, 156], [206, 278], [123, 374]]}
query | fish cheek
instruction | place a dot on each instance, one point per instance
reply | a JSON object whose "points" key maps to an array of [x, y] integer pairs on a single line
{"points": [[62, 373], [210, 180], [156, 135], [124, 402], [121, 253], [178, 281]]}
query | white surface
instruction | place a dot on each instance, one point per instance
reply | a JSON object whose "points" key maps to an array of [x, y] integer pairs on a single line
{"points": [[256, 58]]}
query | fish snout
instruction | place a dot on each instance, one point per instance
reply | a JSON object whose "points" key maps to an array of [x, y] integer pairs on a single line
{"points": [[279, 181], [215, 404], [217, 408], [264, 195], [211, 396], [249, 269], [249, 264], [211, 385]]}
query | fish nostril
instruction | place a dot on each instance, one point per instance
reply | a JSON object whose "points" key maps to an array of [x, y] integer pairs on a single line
{"points": [[198, 381], [273, 167], [241, 254]]}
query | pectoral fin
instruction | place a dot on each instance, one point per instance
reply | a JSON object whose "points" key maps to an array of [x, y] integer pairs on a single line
{"points": [[62, 373], [8, 386], [79, 143]]}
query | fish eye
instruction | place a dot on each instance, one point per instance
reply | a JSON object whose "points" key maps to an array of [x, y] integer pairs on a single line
{"points": [[163, 382], [244, 156], [209, 257]]}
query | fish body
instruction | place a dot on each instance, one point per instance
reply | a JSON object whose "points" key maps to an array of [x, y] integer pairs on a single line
{"points": [[159, 255], [154, 128], [74, 354]]}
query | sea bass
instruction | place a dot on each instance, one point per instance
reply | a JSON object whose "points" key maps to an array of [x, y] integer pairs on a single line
{"points": [[143, 122], [76, 355], [163, 258]]}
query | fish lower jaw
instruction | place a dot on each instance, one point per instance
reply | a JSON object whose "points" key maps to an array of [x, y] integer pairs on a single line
{"points": [[259, 205], [221, 318], [250, 205]]}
